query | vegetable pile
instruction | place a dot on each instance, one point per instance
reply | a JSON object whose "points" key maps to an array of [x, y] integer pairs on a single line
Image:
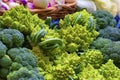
{"points": [[35, 49]]}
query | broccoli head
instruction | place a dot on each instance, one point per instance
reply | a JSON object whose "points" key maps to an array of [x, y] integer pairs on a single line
{"points": [[3, 49], [25, 74], [11, 38], [110, 33], [99, 43], [23, 56], [103, 19]]}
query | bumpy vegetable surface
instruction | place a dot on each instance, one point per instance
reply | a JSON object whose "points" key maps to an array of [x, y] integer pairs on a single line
{"points": [[104, 19], [77, 37], [110, 71], [21, 19], [93, 57], [110, 33], [12, 38], [25, 74], [89, 73], [83, 18]]}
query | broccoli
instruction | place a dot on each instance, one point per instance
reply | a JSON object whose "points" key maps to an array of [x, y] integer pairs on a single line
{"points": [[5, 61], [99, 43], [109, 49], [23, 56], [3, 49], [11, 38], [25, 74], [110, 33], [4, 72], [112, 51], [103, 19]]}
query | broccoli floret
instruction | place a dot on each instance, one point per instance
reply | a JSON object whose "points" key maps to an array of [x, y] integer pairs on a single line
{"points": [[3, 49], [25, 74], [12, 38], [4, 72], [99, 43], [109, 49], [112, 51], [110, 33], [5, 61], [23, 56], [110, 71], [104, 19], [15, 66]]}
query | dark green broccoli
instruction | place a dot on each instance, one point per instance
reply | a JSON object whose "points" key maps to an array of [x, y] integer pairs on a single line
{"points": [[103, 19], [25, 74], [23, 56], [109, 49], [12, 38], [3, 49], [100, 43], [110, 33], [112, 51], [5, 61], [3, 72]]}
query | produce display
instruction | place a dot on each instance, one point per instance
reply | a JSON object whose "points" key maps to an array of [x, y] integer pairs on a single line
{"points": [[83, 46]]}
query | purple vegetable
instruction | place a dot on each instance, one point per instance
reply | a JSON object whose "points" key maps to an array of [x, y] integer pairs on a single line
{"points": [[4, 6], [30, 5], [24, 2]]}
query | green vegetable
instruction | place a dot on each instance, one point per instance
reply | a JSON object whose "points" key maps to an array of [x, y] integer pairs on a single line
{"points": [[20, 18], [24, 74], [3, 72], [93, 57], [5, 61], [83, 18], [50, 43], [110, 71], [12, 38], [89, 73], [77, 37], [99, 43], [110, 33], [3, 49], [23, 56], [103, 19]]}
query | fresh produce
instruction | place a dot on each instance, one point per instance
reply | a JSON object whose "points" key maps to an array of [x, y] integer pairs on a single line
{"points": [[104, 19], [12, 38], [109, 49], [107, 5], [90, 73], [110, 71], [86, 4], [83, 18], [110, 33], [77, 37]]}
